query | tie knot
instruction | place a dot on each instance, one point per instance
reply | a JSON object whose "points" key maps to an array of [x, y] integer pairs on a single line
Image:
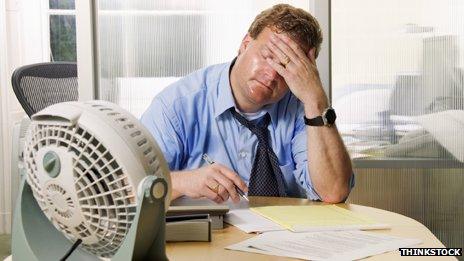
{"points": [[259, 129]]}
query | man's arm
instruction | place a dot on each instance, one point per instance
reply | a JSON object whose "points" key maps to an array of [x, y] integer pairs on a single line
{"points": [[215, 182], [328, 161]]}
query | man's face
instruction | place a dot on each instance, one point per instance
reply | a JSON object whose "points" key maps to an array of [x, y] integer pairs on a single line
{"points": [[258, 84]]}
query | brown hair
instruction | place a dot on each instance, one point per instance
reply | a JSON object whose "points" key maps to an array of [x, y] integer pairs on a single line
{"points": [[301, 26]]}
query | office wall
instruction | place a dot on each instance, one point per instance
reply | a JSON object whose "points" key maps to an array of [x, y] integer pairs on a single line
{"points": [[432, 196], [2, 109]]}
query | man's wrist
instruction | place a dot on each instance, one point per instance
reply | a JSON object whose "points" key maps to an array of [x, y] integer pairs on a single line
{"points": [[177, 179], [175, 190], [315, 102], [315, 109]]}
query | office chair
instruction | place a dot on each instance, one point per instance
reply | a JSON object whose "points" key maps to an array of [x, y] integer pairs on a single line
{"points": [[40, 85], [37, 86]]}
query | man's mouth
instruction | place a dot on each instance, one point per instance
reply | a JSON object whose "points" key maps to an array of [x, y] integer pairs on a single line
{"points": [[267, 86]]}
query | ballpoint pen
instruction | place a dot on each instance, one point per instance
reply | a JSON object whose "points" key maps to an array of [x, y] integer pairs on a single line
{"points": [[239, 191]]}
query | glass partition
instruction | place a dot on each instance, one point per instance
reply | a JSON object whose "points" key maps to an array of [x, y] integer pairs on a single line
{"points": [[397, 77], [397, 87]]}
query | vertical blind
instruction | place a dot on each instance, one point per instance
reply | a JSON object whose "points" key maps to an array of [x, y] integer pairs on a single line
{"points": [[145, 45]]}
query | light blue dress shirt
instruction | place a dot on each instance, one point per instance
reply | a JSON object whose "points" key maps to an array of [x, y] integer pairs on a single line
{"points": [[190, 117]]}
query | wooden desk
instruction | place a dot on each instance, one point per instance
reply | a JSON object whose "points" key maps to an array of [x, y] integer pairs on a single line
{"points": [[400, 226]]}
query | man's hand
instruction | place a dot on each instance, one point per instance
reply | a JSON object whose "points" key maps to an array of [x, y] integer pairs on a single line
{"points": [[299, 71], [215, 182]]}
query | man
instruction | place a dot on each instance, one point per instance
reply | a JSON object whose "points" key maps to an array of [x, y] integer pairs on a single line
{"points": [[249, 116]]}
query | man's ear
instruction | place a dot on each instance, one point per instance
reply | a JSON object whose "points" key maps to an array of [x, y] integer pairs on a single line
{"points": [[311, 54], [312, 51], [245, 41]]}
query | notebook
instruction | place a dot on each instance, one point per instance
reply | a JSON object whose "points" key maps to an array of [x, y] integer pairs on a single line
{"points": [[317, 218]]}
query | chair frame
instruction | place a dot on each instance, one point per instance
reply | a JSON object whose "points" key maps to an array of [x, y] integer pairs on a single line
{"points": [[58, 70]]}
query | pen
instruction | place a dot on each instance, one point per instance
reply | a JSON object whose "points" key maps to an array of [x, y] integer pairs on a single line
{"points": [[239, 191]]}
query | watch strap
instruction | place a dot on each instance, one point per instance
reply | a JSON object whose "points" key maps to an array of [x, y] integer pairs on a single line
{"points": [[317, 121]]}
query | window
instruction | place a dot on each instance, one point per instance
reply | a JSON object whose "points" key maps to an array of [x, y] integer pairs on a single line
{"points": [[62, 29], [398, 78]]}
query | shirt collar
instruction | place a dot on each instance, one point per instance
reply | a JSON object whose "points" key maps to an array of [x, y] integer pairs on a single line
{"points": [[272, 110], [225, 99]]}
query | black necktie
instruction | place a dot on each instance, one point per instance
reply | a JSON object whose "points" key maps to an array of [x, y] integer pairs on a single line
{"points": [[266, 177]]}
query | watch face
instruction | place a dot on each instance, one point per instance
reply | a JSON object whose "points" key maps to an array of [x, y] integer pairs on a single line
{"points": [[330, 116]]}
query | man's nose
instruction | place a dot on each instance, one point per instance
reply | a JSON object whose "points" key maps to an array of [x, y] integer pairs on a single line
{"points": [[271, 74]]}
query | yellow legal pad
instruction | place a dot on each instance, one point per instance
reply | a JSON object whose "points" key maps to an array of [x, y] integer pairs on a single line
{"points": [[317, 218]]}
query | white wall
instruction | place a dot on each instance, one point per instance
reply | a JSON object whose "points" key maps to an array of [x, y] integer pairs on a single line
{"points": [[21, 25], [3, 110]]}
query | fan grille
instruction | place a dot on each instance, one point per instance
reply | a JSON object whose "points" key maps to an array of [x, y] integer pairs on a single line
{"points": [[106, 197]]}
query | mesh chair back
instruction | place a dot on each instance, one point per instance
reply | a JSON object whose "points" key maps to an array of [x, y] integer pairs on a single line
{"points": [[38, 86]]}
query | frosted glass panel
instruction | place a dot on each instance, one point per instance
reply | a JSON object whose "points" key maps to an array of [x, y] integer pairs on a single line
{"points": [[144, 45], [397, 77]]}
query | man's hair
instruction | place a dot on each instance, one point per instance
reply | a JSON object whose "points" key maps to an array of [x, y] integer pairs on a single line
{"points": [[301, 26]]}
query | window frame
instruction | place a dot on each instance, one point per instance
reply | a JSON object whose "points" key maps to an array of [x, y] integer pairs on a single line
{"points": [[86, 47]]}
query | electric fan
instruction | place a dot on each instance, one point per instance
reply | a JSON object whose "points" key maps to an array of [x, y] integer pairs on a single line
{"points": [[95, 176]]}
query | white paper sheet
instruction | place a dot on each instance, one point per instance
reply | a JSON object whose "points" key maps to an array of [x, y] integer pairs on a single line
{"points": [[334, 245], [446, 128], [250, 222]]}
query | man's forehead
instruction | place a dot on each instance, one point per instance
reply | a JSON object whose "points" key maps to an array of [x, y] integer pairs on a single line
{"points": [[266, 33]]}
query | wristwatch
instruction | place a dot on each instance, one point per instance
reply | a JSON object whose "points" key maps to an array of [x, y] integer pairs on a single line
{"points": [[326, 119]]}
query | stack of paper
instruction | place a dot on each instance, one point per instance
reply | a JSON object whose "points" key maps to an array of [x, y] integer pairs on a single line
{"points": [[317, 218], [330, 245], [325, 232], [250, 222]]}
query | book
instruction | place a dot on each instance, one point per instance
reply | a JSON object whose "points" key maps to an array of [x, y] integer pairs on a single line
{"points": [[183, 228]]}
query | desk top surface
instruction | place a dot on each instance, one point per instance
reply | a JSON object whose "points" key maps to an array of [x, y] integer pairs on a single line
{"points": [[215, 250]]}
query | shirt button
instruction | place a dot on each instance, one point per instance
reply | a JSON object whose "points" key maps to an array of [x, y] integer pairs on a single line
{"points": [[243, 154]]}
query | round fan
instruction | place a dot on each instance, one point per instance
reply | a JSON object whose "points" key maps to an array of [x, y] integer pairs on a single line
{"points": [[86, 165]]}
